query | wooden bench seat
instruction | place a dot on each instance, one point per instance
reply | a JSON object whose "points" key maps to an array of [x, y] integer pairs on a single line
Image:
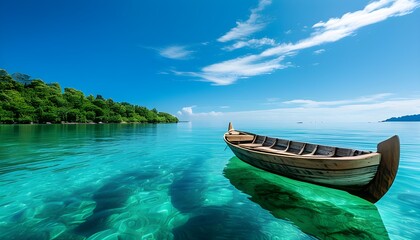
{"points": [[250, 145], [239, 138], [272, 150]]}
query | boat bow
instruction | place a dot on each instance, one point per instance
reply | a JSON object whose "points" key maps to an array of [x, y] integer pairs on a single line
{"points": [[387, 170]]}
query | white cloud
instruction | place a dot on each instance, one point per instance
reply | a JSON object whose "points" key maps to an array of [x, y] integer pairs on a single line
{"points": [[337, 28], [355, 112], [211, 113], [176, 52], [362, 109], [319, 51], [245, 66], [250, 26], [312, 103], [229, 71], [252, 43], [188, 113]]}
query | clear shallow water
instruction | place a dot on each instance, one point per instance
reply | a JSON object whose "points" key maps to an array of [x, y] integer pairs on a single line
{"points": [[177, 181]]}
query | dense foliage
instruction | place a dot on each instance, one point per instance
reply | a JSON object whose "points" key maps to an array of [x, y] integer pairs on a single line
{"points": [[408, 118], [38, 102]]}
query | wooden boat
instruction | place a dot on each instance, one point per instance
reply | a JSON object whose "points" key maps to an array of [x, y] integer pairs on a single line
{"points": [[366, 174]]}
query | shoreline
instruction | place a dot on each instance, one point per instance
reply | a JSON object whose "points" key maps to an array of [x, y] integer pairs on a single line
{"points": [[89, 123]]}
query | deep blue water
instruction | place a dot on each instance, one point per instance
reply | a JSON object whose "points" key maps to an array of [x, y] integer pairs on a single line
{"points": [[177, 181]]}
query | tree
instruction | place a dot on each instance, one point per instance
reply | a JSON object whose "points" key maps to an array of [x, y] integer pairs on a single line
{"points": [[32, 100], [73, 115], [74, 98]]}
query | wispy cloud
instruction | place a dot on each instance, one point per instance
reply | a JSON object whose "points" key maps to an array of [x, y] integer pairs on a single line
{"points": [[229, 71], [176, 52], [319, 51], [250, 26], [365, 99], [337, 28], [252, 43], [363, 109]]}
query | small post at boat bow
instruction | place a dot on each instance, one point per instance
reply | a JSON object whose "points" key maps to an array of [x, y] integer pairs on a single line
{"points": [[230, 127]]}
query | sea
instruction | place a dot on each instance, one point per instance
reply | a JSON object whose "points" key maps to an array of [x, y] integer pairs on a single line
{"points": [[179, 181]]}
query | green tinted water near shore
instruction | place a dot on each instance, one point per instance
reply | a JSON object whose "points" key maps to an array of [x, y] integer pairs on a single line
{"points": [[144, 181]]}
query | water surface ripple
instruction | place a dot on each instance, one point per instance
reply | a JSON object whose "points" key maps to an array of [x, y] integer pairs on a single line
{"points": [[177, 181]]}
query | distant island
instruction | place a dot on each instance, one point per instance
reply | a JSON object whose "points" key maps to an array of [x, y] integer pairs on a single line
{"points": [[407, 118], [24, 100]]}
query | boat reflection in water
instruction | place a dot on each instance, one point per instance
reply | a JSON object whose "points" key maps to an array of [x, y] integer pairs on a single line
{"points": [[322, 212]]}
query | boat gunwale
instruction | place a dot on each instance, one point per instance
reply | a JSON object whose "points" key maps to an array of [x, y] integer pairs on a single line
{"points": [[311, 157]]}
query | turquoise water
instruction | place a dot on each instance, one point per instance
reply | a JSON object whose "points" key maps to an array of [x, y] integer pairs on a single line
{"points": [[177, 181]]}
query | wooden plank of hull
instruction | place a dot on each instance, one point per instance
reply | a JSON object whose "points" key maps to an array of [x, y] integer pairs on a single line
{"points": [[347, 179], [328, 163]]}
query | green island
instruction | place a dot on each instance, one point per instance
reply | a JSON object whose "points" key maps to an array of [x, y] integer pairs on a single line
{"points": [[407, 118], [28, 101]]}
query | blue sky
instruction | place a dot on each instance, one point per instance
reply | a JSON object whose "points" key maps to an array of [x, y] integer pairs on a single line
{"points": [[225, 60]]}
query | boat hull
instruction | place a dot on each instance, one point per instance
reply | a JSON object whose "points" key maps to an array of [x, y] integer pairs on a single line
{"points": [[350, 175]]}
